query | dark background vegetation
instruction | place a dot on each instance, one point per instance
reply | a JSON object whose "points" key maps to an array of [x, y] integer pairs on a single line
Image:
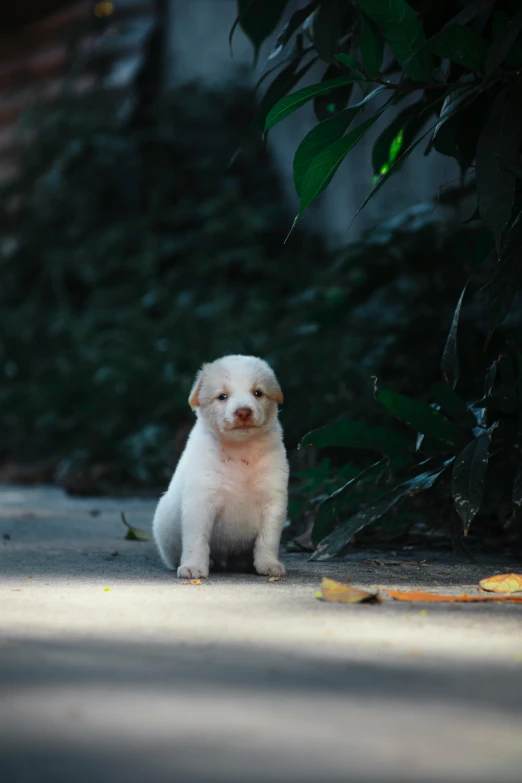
{"points": [[139, 253]]}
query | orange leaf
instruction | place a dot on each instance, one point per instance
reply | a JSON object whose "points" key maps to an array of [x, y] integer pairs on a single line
{"points": [[503, 583], [337, 593], [420, 595]]}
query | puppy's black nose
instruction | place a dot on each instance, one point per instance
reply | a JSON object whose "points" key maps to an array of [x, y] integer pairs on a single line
{"points": [[244, 413]]}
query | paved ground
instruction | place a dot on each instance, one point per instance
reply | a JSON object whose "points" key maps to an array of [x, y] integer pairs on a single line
{"points": [[111, 670]]}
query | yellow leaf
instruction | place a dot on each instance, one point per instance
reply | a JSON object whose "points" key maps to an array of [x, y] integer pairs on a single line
{"points": [[338, 593], [274, 578], [106, 589], [503, 583], [192, 582], [420, 595]]}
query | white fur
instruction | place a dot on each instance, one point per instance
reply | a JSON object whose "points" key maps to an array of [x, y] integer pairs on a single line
{"points": [[229, 491]]}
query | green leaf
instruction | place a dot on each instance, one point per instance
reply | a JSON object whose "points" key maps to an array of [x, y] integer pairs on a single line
{"points": [[517, 487], [499, 139], [324, 134], [349, 61], [320, 137], [478, 8], [327, 511], [333, 544], [396, 137], [357, 435], [421, 417], [501, 46], [389, 173], [257, 19], [270, 71], [329, 103], [446, 131], [382, 149], [467, 483], [324, 166], [279, 87], [400, 27], [298, 18], [507, 278], [134, 533], [291, 103], [452, 404], [449, 364], [328, 28], [461, 45], [372, 45]]}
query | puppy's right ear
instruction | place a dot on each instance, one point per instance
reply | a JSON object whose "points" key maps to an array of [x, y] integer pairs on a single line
{"points": [[196, 388]]}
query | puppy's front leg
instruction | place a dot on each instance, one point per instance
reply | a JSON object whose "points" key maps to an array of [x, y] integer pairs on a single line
{"points": [[197, 520], [266, 548]]}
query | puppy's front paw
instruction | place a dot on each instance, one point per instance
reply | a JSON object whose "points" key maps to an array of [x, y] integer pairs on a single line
{"points": [[192, 572], [270, 568]]}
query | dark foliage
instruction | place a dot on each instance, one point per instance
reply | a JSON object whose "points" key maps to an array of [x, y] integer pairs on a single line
{"points": [[135, 256], [462, 63]]}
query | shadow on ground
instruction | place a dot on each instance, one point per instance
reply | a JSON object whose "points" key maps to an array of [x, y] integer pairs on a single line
{"points": [[83, 711], [114, 671]]}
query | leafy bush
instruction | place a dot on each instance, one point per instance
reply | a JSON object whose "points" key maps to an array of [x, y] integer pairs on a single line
{"points": [[462, 63], [136, 257]]}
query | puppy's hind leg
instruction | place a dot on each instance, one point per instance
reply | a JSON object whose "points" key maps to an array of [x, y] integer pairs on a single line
{"points": [[166, 529]]}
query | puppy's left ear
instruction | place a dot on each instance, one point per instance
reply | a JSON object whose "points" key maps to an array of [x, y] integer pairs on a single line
{"points": [[196, 388], [278, 395]]}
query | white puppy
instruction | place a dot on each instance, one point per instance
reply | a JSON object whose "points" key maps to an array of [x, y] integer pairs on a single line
{"points": [[229, 491]]}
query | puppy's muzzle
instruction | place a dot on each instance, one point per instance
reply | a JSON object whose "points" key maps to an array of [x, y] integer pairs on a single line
{"points": [[244, 415]]}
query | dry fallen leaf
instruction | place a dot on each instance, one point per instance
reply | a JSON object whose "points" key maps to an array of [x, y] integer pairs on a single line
{"points": [[192, 582], [420, 595], [134, 533], [503, 583], [338, 593], [274, 578]]}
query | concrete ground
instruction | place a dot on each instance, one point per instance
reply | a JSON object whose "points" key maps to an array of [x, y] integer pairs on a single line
{"points": [[112, 670]]}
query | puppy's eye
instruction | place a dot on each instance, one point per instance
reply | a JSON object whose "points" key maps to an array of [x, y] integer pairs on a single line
{"points": [[258, 393], [223, 397]]}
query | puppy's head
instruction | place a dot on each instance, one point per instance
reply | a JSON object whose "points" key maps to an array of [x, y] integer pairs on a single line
{"points": [[236, 396]]}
